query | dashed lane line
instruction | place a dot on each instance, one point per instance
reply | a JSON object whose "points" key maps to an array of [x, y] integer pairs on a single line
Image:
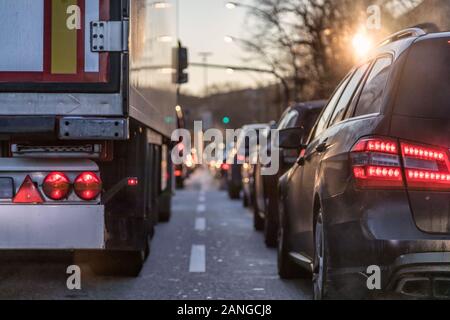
{"points": [[200, 224], [198, 259]]}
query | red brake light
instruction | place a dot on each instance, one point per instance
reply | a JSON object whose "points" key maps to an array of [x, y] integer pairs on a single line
{"points": [[225, 166], [178, 173], [426, 167], [56, 186], [376, 163], [376, 145], [88, 186], [28, 193]]}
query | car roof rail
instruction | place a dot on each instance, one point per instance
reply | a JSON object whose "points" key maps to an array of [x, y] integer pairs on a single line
{"points": [[410, 32]]}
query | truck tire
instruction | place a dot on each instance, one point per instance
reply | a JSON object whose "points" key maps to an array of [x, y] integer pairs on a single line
{"points": [[120, 263], [165, 207]]}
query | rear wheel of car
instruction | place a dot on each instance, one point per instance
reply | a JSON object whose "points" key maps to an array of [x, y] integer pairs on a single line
{"points": [[233, 193], [179, 184], [287, 268], [320, 264], [258, 222], [245, 201], [270, 227]]}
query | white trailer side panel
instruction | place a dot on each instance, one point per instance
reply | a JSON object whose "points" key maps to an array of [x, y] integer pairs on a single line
{"points": [[23, 52]]}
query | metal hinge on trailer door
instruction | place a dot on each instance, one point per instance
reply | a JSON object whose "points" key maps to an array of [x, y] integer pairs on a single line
{"points": [[109, 36]]}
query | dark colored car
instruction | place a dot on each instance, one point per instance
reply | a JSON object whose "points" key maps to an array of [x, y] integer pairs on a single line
{"points": [[372, 188], [248, 168], [302, 116], [237, 157]]}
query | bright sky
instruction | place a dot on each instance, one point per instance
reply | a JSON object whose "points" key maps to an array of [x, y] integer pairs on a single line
{"points": [[203, 27]]}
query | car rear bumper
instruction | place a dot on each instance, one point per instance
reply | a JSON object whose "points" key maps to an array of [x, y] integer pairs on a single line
{"points": [[421, 275], [59, 227]]}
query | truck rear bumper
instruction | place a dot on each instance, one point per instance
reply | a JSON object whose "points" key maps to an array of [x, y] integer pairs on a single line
{"points": [[61, 227]]}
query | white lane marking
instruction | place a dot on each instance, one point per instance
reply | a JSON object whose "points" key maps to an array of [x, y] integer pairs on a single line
{"points": [[198, 259], [200, 224], [201, 199], [201, 208]]}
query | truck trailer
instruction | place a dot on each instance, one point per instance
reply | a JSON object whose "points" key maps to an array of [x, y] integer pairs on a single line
{"points": [[88, 90]]}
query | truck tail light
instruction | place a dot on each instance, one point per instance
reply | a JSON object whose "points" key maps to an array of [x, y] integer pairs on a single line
{"points": [[426, 167], [87, 186], [376, 163], [133, 182], [56, 186], [28, 193]]}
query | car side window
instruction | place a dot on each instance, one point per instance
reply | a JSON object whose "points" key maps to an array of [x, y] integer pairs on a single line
{"points": [[292, 119], [326, 114], [372, 92], [283, 121], [348, 93]]}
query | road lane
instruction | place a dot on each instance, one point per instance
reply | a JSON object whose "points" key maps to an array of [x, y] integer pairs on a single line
{"points": [[212, 253]]}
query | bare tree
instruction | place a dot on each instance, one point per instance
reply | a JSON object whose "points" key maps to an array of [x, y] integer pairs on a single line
{"points": [[307, 43]]}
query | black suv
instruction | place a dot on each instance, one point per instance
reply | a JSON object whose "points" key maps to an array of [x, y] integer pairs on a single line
{"points": [[371, 190]]}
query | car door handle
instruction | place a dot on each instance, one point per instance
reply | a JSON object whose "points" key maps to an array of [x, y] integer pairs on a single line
{"points": [[322, 147]]}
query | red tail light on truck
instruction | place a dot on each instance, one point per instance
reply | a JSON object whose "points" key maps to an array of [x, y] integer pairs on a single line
{"points": [[88, 186], [56, 186], [378, 163]]}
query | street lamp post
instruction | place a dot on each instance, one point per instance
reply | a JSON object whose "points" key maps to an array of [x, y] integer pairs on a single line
{"points": [[205, 56], [284, 83]]}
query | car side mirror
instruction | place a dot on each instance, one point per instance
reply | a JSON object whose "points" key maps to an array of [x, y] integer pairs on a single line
{"points": [[291, 138]]}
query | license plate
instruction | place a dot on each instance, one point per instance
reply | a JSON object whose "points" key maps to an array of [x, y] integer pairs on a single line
{"points": [[6, 188]]}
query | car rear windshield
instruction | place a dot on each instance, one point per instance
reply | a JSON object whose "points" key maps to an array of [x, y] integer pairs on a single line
{"points": [[424, 89]]}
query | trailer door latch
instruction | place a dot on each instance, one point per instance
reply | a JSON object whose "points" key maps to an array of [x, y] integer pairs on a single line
{"points": [[109, 36]]}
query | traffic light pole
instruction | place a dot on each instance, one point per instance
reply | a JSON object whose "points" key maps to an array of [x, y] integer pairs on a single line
{"points": [[250, 69]]}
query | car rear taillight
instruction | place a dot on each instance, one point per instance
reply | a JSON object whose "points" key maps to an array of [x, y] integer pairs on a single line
{"points": [[376, 163], [28, 193], [225, 166], [88, 186], [426, 167], [178, 173], [56, 186]]}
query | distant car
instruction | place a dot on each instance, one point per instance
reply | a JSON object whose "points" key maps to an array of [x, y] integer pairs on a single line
{"points": [[371, 190], [180, 173], [302, 116], [247, 171], [236, 157]]}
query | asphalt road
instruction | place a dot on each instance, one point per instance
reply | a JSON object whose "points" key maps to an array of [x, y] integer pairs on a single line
{"points": [[208, 251]]}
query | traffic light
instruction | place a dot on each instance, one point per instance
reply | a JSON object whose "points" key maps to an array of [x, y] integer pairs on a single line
{"points": [[181, 63], [226, 120]]}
